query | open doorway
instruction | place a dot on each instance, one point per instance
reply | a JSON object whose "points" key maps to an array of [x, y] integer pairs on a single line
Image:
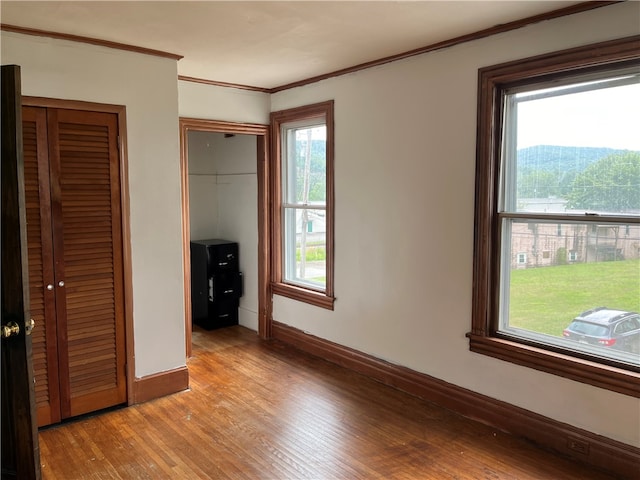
{"points": [[224, 172]]}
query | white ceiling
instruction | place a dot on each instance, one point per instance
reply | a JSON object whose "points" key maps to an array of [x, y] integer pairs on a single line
{"points": [[269, 44]]}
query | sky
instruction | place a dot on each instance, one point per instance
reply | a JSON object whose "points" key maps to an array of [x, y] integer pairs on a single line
{"points": [[608, 117]]}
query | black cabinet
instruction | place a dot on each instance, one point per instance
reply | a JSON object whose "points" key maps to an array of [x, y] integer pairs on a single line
{"points": [[216, 283]]}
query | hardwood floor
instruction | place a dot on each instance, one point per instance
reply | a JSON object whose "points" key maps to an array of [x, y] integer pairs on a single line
{"points": [[263, 410]]}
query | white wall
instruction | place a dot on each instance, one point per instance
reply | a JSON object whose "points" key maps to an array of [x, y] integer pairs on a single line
{"points": [[198, 100], [404, 167], [203, 186], [238, 214], [223, 203], [147, 86]]}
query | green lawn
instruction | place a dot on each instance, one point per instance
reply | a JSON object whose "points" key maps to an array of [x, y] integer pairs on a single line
{"points": [[546, 299], [313, 253]]}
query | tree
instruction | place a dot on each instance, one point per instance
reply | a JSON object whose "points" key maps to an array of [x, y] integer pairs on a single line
{"points": [[305, 201], [311, 165], [537, 184], [610, 184]]}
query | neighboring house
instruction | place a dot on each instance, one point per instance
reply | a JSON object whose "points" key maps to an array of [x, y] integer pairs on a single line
{"points": [[541, 245], [405, 155]]}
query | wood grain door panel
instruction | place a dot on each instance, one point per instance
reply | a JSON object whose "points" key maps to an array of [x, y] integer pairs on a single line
{"points": [[40, 248], [19, 443], [92, 243], [87, 266]]}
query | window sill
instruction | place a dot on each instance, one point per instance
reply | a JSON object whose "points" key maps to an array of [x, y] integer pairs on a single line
{"points": [[319, 299], [604, 376]]}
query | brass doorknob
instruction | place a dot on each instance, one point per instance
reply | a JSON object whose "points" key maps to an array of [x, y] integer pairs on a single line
{"points": [[28, 326], [9, 330]]}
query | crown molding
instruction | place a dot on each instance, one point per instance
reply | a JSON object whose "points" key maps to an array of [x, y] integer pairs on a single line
{"points": [[223, 84], [92, 41]]}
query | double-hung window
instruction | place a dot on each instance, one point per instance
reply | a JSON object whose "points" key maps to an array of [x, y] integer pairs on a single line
{"points": [[303, 207], [557, 241]]}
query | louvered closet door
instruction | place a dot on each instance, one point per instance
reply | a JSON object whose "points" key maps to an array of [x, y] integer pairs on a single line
{"points": [[40, 248], [87, 276]]}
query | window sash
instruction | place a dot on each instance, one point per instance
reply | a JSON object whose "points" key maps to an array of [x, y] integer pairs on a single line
{"points": [[291, 250], [290, 203], [509, 257], [513, 97], [288, 140]]}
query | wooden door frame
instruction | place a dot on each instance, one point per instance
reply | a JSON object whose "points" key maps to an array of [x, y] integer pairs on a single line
{"points": [[120, 112], [264, 217]]}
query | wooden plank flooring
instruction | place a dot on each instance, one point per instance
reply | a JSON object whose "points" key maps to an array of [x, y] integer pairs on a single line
{"points": [[262, 410]]}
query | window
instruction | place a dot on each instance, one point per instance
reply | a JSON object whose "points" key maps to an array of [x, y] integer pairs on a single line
{"points": [[303, 207], [558, 170], [627, 326], [522, 259]]}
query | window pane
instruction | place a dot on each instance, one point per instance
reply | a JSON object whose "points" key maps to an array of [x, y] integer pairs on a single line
{"points": [[306, 165], [587, 268], [575, 149], [305, 247]]}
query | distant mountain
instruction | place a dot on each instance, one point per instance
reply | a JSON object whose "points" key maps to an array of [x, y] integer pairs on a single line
{"points": [[553, 158]]}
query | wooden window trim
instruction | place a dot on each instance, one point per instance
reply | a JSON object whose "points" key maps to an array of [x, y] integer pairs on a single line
{"points": [[484, 337], [323, 299]]}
